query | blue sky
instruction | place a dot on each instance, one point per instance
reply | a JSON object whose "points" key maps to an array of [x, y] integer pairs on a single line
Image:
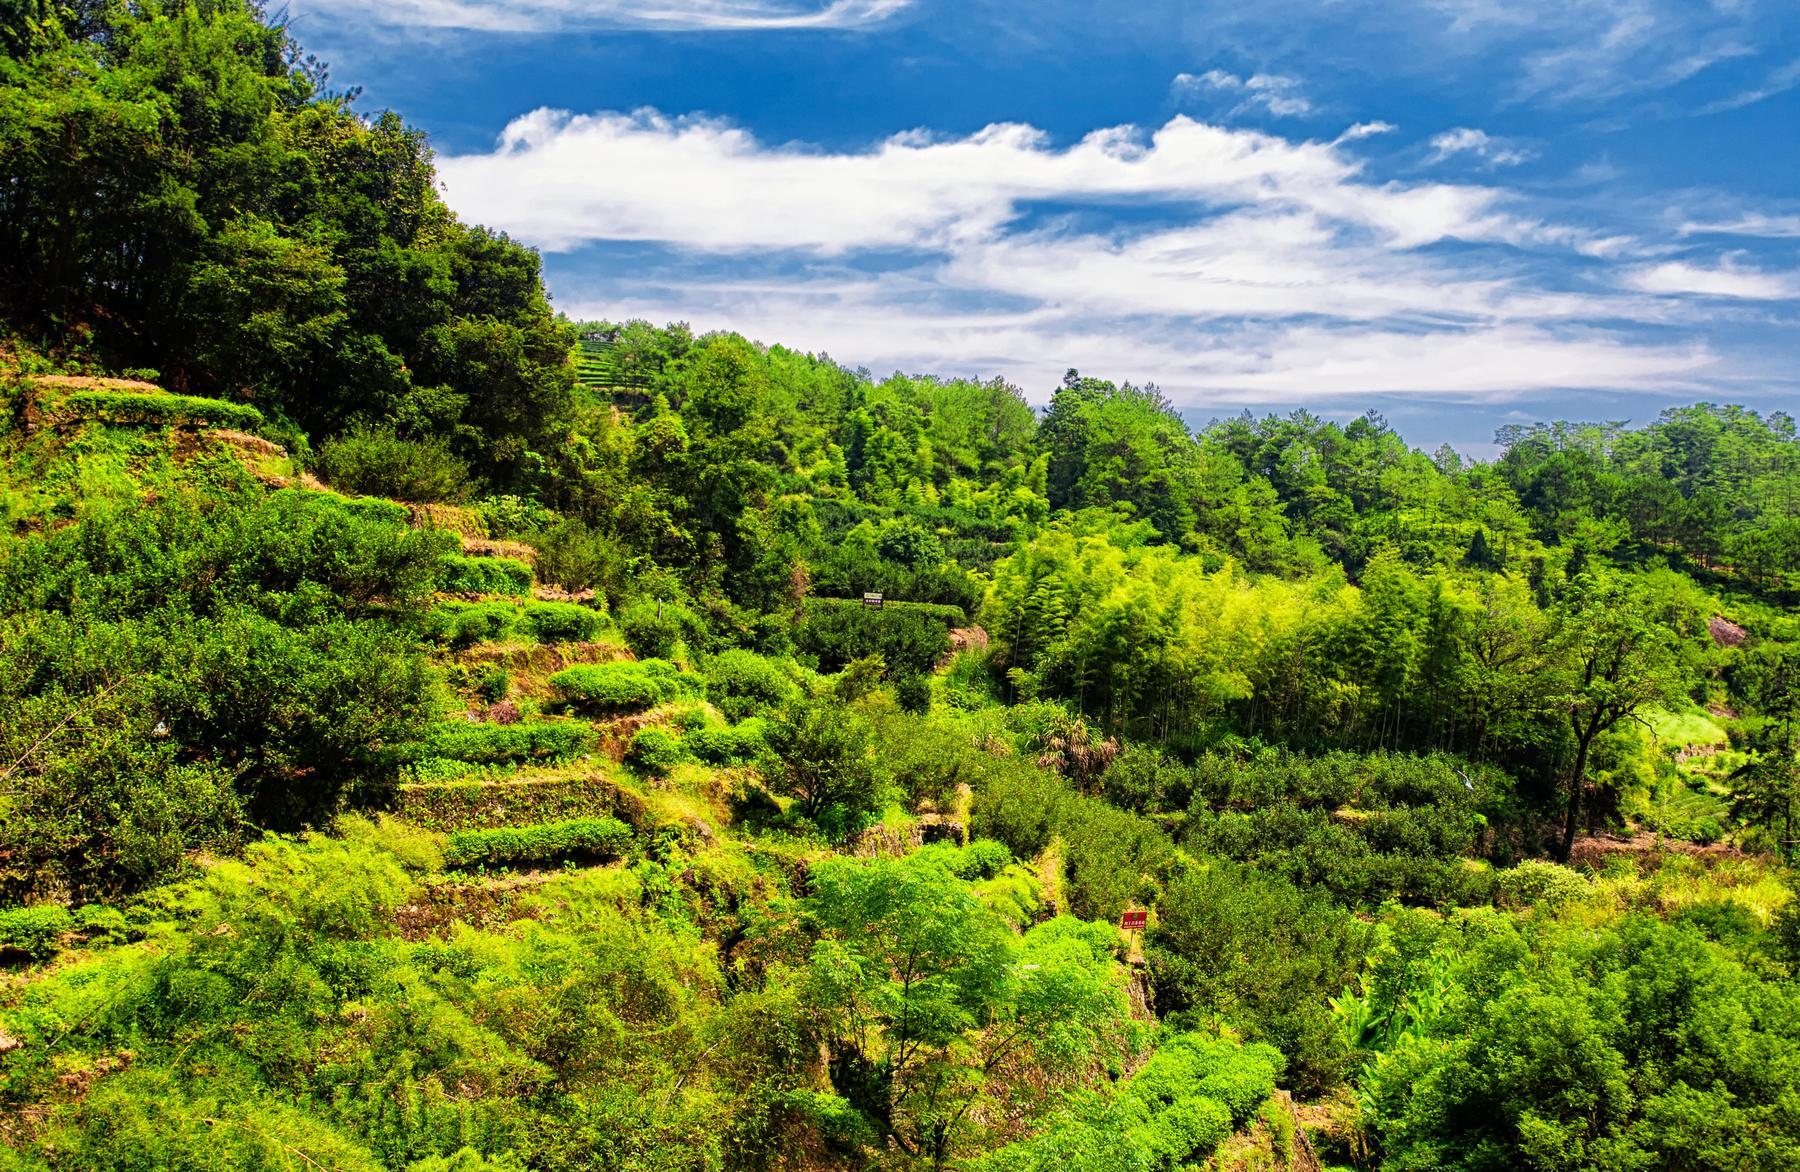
{"points": [[1458, 212]]}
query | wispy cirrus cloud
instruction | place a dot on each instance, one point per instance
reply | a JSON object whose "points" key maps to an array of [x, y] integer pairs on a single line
{"points": [[1271, 92], [1771, 226], [1222, 261], [537, 16], [1466, 140], [1779, 81], [1729, 278]]}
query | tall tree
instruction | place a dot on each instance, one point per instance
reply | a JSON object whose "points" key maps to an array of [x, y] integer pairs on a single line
{"points": [[1615, 648]]}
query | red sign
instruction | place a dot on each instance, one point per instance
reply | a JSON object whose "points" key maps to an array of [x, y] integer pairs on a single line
{"points": [[1134, 921]]}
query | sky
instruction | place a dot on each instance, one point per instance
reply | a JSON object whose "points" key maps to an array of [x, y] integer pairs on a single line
{"points": [[1459, 213]]}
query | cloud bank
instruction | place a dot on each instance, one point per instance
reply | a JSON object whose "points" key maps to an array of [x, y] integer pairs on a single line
{"points": [[1224, 263], [538, 16]]}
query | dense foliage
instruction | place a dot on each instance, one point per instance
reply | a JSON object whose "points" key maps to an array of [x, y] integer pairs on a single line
{"points": [[565, 802]]}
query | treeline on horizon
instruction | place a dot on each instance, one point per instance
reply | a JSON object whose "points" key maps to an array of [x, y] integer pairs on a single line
{"points": [[1339, 714]]}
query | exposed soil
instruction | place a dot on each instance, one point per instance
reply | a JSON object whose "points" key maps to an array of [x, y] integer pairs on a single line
{"points": [[89, 382], [1725, 632], [1594, 849], [486, 547]]}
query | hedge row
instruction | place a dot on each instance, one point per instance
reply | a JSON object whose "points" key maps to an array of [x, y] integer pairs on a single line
{"points": [[474, 575], [910, 638], [599, 838], [950, 616], [1174, 1112], [472, 805], [460, 624], [619, 687], [561, 622], [728, 745], [493, 743], [159, 409]]}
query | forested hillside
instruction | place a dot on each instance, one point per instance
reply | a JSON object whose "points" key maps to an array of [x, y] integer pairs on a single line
{"points": [[437, 735]]}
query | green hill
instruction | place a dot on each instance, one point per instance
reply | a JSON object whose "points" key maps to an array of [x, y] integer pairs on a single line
{"points": [[436, 735]]}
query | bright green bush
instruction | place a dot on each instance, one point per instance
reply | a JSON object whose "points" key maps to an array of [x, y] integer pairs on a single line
{"points": [[1535, 881], [32, 932], [101, 924], [599, 838], [479, 575], [655, 750], [982, 859], [653, 630], [160, 409], [618, 687], [373, 508], [910, 638], [491, 743], [743, 683], [1172, 1114], [492, 683], [561, 622], [376, 462], [1111, 858], [463, 624], [734, 745]]}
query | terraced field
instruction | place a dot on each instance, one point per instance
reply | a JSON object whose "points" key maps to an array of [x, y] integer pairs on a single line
{"points": [[597, 368]]}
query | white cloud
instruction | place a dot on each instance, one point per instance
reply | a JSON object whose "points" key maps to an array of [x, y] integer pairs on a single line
{"points": [[1728, 279], [1779, 82], [558, 180], [1257, 363], [1747, 224], [1557, 52], [1225, 264], [525, 16], [1272, 92], [1366, 130], [1466, 140]]}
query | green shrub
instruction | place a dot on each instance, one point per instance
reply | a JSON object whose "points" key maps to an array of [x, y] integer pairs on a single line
{"points": [[968, 684], [577, 557], [492, 743], [33, 932], [372, 508], [913, 693], [160, 409], [561, 622], [1535, 882], [1172, 1114], [653, 630], [477, 575], [618, 687], [376, 462], [1111, 858], [463, 624], [982, 859], [742, 683], [825, 757], [594, 838], [737, 745], [910, 638], [1233, 942], [655, 750], [101, 924], [492, 684]]}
